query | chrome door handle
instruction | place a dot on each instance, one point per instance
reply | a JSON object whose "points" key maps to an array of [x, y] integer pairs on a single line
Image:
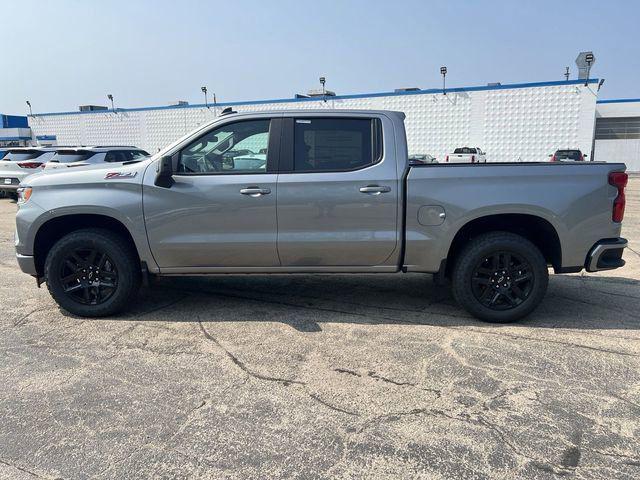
{"points": [[255, 191], [375, 189]]}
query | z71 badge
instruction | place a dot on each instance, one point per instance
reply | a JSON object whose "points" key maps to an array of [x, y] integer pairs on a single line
{"points": [[113, 175]]}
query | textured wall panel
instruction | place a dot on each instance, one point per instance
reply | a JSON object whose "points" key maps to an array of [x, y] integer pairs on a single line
{"points": [[511, 124]]}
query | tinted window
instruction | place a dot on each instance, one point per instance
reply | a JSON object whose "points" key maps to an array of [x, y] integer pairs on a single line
{"points": [[21, 155], [125, 155], [69, 156], [329, 144], [464, 150], [568, 155], [618, 128], [239, 147]]}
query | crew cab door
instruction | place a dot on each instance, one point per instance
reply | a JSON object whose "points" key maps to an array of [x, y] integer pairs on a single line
{"points": [[221, 209], [337, 193]]}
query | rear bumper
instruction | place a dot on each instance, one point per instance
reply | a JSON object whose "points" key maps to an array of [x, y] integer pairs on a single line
{"points": [[606, 255], [8, 188], [16, 178], [27, 264]]}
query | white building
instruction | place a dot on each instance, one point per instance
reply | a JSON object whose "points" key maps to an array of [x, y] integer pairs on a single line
{"points": [[617, 137], [517, 122]]}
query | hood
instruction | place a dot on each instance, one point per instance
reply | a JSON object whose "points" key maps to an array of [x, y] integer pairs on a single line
{"points": [[114, 173]]}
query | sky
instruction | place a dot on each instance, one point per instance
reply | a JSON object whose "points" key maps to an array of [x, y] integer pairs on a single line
{"points": [[65, 53]]}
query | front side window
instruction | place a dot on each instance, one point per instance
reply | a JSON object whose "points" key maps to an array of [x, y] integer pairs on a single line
{"points": [[239, 147], [334, 144]]}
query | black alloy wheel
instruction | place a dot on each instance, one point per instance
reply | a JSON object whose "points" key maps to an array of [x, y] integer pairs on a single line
{"points": [[88, 276], [502, 281]]}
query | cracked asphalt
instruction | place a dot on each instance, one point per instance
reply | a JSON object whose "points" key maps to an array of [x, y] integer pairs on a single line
{"points": [[345, 376]]}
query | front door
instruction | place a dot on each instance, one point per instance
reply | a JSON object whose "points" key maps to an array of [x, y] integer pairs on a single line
{"points": [[221, 210], [337, 193]]}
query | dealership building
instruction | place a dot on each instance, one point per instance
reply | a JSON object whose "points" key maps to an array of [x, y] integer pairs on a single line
{"points": [[511, 122]]}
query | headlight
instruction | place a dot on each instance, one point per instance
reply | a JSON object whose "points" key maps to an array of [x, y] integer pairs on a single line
{"points": [[24, 194]]}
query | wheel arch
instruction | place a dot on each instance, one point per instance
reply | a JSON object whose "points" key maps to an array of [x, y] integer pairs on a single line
{"points": [[57, 227], [536, 229]]}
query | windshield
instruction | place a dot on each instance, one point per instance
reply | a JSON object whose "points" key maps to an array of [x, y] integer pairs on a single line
{"points": [[21, 155], [465, 150]]}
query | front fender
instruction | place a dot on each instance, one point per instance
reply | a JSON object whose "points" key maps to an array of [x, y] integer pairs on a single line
{"points": [[119, 201]]}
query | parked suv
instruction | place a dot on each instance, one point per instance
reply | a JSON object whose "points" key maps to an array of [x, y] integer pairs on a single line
{"points": [[88, 156], [20, 162]]}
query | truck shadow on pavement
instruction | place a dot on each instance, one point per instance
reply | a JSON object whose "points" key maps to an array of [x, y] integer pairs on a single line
{"points": [[306, 301]]}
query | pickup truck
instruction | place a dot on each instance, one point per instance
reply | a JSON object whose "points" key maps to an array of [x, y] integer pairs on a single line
{"points": [[466, 155], [327, 191]]}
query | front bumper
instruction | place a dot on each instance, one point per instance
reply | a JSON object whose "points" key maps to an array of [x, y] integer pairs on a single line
{"points": [[27, 264], [606, 255]]}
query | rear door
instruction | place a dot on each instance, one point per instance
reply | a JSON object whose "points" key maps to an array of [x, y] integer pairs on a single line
{"points": [[338, 193], [221, 210]]}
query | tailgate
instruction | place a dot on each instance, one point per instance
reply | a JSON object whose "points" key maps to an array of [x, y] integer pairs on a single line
{"points": [[9, 166]]}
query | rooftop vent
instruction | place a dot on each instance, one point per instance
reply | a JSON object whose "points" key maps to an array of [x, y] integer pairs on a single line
{"points": [[92, 108], [407, 89], [319, 93], [493, 84], [178, 103]]}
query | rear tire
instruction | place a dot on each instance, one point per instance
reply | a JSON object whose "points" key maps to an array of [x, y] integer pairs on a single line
{"points": [[92, 272], [500, 277]]}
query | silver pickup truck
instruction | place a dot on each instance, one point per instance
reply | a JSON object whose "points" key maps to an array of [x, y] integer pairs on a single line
{"points": [[318, 191]]}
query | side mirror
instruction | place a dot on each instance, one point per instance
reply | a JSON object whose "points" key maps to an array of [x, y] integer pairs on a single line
{"points": [[585, 155], [164, 172]]}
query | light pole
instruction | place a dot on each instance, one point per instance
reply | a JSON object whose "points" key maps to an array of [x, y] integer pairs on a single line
{"points": [[443, 72], [204, 90], [566, 74], [324, 92], [110, 97], [589, 58], [30, 112]]}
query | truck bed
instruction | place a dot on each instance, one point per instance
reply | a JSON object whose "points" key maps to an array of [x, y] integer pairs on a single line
{"points": [[574, 198]]}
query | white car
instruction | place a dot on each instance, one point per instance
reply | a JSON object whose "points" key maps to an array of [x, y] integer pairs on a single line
{"points": [[20, 162], [466, 155], [92, 157]]}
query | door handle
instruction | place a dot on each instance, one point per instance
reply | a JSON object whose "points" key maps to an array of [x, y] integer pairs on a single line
{"points": [[255, 191], [375, 189]]}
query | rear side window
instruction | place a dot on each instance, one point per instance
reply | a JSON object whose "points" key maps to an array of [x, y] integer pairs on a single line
{"points": [[335, 144]]}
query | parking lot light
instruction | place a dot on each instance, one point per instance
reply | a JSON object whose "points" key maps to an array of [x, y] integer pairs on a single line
{"points": [[110, 97], [443, 72], [204, 90], [30, 111]]}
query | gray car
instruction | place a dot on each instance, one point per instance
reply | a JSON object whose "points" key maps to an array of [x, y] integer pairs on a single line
{"points": [[318, 191]]}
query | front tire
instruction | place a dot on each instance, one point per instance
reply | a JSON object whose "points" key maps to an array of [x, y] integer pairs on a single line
{"points": [[92, 272], [500, 277]]}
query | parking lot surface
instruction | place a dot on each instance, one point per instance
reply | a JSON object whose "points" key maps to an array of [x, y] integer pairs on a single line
{"points": [[324, 376]]}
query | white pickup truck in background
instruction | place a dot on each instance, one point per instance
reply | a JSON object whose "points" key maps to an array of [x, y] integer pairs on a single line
{"points": [[466, 155]]}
